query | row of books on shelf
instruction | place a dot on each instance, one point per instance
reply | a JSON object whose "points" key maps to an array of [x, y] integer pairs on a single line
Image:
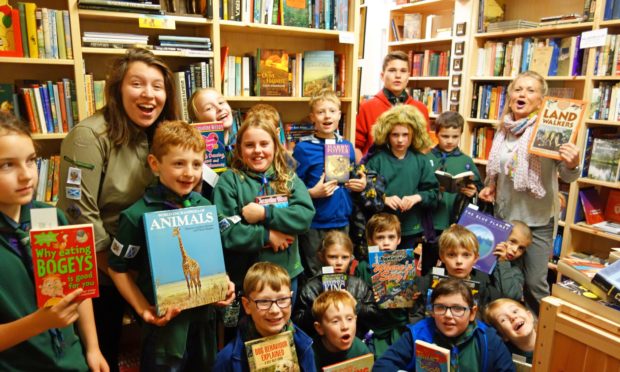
{"points": [[409, 26], [595, 211], [47, 106], [612, 10], [194, 76], [34, 32], [430, 63], [320, 14], [488, 101], [607, 60], [601, 155], [549, 57], [605, 102], [49, 177], [481, 141], [436, 100]]}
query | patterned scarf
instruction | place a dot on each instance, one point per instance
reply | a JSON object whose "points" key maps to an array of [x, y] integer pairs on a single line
{"points": [[524, 167], [395, 100]]}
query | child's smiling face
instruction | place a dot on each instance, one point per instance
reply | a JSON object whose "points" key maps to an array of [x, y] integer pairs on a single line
{"points": [[271, 321], [513, 321], [257, 149], [449, 324], [211, 106]]}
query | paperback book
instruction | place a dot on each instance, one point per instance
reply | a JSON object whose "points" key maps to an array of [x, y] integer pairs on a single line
{"points": [[272, 75], [319, 70], [334, 282], [393, 277], [186, 258], [362, 363], [431, 357], [337, 162], [213, 135], [295, 13], [277, 200], [558, 123], [64, 259], [608, 279], [571, 291], [473, 285], [489, 231], [272, 353], [453, 183], [612, 208]]}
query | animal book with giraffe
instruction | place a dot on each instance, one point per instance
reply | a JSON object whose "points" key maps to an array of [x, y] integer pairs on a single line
{"points": [[186, 258], [64, 260]]}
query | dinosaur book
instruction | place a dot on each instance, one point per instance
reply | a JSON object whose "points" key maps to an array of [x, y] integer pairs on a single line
{"points": [[64, 259], [186, 258], [213, 135]]}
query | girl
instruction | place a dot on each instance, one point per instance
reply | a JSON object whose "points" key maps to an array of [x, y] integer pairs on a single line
{"points": [[33, 339], [256, 229], [400, 138], [473, 345], [336, 251]]}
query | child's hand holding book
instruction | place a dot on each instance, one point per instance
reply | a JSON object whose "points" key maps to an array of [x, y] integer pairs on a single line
{"points": [[500, 251], [323, 189], [62, 314], [149, 315], [357, 184], [279, 241], [469, 190]]}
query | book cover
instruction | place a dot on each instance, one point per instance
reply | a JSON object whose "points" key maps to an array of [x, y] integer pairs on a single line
{"points": [[605, 159], [319, 71], [64, 259], [431, 357], [571, 291], [295, 13], [489, 231], [592, 205], [186, 272], [362, 363], [213, 135], [334, 282], [453, 183], [582, 271], [277, 200], [412, 26], [558, 123], [393, 274], [272, 353], [10, 32], [541, 59], [6, 97], [608, 279], [337, 162], [612, 208], [473, 285], [272, 73]]}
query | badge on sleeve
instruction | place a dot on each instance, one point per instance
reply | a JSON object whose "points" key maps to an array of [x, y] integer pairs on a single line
{"points": [[74, 177], [74, 193], [116, 247], [132, 251]]}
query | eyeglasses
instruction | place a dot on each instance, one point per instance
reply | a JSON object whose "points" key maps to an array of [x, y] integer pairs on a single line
{"points": [[456, 310], [282, 303]]}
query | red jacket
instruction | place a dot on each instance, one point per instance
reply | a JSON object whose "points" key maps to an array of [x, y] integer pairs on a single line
{"points": [[369, 112]]}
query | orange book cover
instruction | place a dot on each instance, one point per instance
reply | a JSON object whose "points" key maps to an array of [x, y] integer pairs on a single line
{"points": [[29, 112], [612, 208], [56, 178], [63, 107]]}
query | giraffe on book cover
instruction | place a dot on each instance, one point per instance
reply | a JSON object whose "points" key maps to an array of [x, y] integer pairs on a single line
{"points": [[191, 269]]}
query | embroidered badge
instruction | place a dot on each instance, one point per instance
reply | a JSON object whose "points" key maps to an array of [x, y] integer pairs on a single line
{"points": [[132, 251], [74, 211], [116, 247], [74, 177], [74, 193]]}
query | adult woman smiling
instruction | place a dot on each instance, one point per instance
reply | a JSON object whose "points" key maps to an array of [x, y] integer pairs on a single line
{"points": [[106, 155]]}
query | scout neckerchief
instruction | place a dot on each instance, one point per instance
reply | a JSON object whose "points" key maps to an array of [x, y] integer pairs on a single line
{"points": [[395, 100], [453, 344], [443, 156], [249, 332], [167, 197], [264, 179]]}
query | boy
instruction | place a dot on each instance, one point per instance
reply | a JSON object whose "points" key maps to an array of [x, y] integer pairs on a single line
{"points": [[332, 203], [383, 230], [267, 300], [335, 322], [395, 76], [447, 156], [176, 157], [515, 324], [509, 263]]}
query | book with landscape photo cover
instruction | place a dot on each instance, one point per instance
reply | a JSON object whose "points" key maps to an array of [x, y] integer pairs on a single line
{"points": [[272, 73], [453, 183], [272, 353], [295, 13], [362, 363], [393, 277], [558, 123], [186, 258], [337, 162], [431, 357], [64, 259], [319, 71], [489, 231], [605, 159], [213, 135]]}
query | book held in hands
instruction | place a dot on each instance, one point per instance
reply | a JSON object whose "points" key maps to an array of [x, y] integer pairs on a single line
{"points": [[213, 135], [362, 363], [272, 353], [337, 162], [393, 277], [454, 183], [431, 357]]}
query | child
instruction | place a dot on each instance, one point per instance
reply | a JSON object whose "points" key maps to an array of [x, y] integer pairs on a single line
{"points": [[411, 185], [32, 338], [458, 251], [176, 157], [395, 76], [336, 251], [515, 324], [335, 322], [447, 156], [254, 232], [332, 202], [473, 345], [267, 300], [509, 262], [268, 113], [207, 104]]}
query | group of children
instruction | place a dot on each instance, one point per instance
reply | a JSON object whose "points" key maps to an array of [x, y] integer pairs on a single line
{"points": [[268, 248]]}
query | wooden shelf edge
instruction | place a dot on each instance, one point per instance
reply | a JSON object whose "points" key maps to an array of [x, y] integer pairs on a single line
{"points": [[603, 122], [420, 41], [483, 121], [104, 14], [278, 29], [429, 78], [583, 227], [480, 161], [37, 61], [509, 78], [590, 181], [48, 136], [535, 31], [424, 5]]}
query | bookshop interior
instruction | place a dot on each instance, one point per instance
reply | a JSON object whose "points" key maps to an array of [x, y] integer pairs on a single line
{"points": [[310, 185]]}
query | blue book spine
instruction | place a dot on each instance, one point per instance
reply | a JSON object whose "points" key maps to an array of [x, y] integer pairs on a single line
{"points": [[50, 91], [45, 102], [555, 55], [525, 54]]}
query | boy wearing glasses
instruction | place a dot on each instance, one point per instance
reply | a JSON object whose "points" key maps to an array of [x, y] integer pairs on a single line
{"points": [[267, 300], [473, 345]]}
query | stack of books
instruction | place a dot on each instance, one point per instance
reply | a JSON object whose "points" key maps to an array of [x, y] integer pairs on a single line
{"points": [[194, 44], [121, 6], [114, 40], [511, 25]]}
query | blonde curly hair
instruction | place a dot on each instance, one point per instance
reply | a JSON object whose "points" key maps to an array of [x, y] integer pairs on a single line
{"points": [[405, 115]]}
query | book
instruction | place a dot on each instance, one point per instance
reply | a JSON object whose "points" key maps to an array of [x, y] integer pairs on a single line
{"points": [[337, 162], [436, 277], [431, 357], [272, 72], [272, 353], [412, 26], [6, 98], [571, 291], [608, 227], [11, 33], [295, 13], [608, 279], [605, 159], [592, 205], [64, 259], [453, 183], [489, 231], [582, 271], [186, 258], [277, 200], [393, 274], [334, 282], [612, 208], [319, 70], [213, 135], [558, 123], [362, 363], [541, 60]]}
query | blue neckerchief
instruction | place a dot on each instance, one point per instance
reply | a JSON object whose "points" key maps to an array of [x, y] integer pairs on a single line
{"points": [[443, 156], [264, 178]]}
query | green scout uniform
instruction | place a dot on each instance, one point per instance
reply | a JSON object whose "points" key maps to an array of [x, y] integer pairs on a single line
{"points": [[17, 299], [324, 357], [408, 176], [244, 243], [170, 340], [454, 162]]}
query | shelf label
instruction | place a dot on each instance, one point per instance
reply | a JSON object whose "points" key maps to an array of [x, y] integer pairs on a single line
{"points": [[159, 22], [594, 38], [346, 37]]}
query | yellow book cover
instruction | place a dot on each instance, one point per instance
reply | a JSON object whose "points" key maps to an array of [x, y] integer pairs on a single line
{"points": [[31, 28]]}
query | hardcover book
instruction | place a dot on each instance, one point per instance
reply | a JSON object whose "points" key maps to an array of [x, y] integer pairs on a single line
{"points": [[272, 73], [592, 205], [362, 363], [337, 162], [608, 279], [431, 357], [213, 135], [295, 13], [558, 123], [412, 26], [272, 353], [186, 258], [277, 200], [393, 274], [319, 71], [612, 208], [453, 183], [489, 231], [605, 159], [64, 259], [334, 282]]}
